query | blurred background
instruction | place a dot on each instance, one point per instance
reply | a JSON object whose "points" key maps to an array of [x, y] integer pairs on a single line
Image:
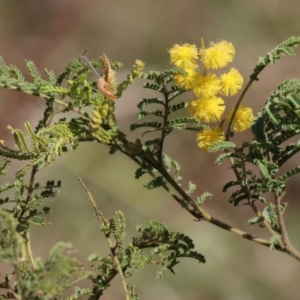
{"points": [[51, 33]]}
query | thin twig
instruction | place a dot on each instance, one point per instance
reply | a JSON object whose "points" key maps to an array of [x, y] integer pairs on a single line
{"points": [[110, 243], [236, 108], [90, 66], [253, 77]]}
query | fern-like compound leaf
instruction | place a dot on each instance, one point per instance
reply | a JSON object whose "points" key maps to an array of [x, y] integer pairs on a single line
{"points": [[224, 156], [148, 101], [201, 199], [146, 124], [175, 107], [222, 145], [181, 120], [50, 76], [32, 69]]}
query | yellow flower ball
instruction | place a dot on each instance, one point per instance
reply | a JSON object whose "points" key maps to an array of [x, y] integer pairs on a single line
{"points": [[184, 56], [218, 55], [207, 110], [207, 137]]}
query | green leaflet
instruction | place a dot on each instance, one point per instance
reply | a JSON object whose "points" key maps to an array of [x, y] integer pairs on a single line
{"points": [[222, 145]]}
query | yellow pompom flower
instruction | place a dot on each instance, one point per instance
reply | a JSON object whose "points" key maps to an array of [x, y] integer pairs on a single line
{"points": [[206, 86], [207, 110], [184, 56], [218, 55], [231, 82], [183, 81], [207, 137], [242, 119]]}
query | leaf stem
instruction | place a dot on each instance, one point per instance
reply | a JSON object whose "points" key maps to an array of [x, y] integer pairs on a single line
{"points": [[165, 121], [228, 132]]}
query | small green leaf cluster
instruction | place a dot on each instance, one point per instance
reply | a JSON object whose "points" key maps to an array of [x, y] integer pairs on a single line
{"points": [[43, 147], [50, 278], [167, 247], [157, 236], [274, 55], [27, 204], [273, 127], [70, 91]]}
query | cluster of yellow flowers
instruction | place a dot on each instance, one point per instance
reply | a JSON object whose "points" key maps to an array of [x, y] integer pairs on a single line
{"points": [[208, 87]]}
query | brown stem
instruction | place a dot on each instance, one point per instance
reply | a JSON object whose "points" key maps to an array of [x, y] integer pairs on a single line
{"points": [[197, 211], [202, 214], [110, 243], [285, 239]]}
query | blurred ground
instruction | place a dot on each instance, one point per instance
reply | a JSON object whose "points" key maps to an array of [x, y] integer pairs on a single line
{"points": [[53, 32]]}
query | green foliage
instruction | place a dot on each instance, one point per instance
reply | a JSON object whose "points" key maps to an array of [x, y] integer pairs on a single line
{"points": [[191, 188], [44, 146], [146, 124], [222, 145], [222, 157], [167, 247], [159, 83], [28, 209], [203, 197], [181, 123], [256, 164], [155, 183], [274, 55], [172, 167], [277, 122], [270, 215], [12, 248], [273, 126], [51, 278], [144, 169], [156, 235], [274, 241]]}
